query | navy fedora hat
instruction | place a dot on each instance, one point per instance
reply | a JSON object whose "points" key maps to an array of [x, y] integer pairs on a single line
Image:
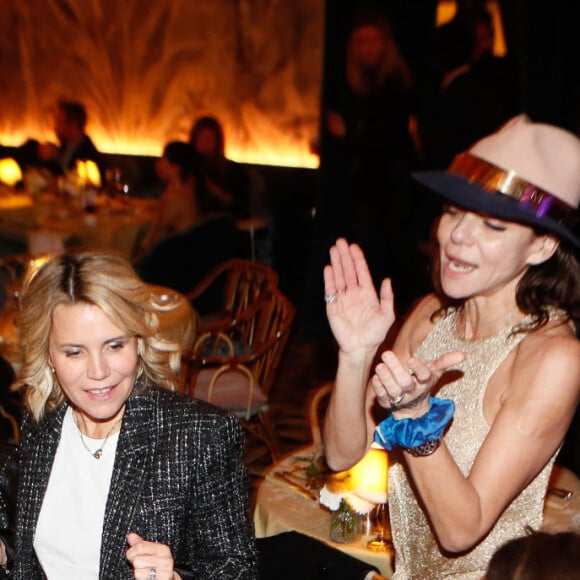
{"points": [[525, 172]]}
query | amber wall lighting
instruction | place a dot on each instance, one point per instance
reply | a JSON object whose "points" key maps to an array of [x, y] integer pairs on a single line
{"points": [[10, 173]]}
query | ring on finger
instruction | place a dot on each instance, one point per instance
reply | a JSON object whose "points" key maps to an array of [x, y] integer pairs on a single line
{"points": [[152, 574], [395, 401], [330, 298]]}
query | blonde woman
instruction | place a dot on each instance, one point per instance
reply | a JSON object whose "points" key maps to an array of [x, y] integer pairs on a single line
{"points": [[119, 477]]}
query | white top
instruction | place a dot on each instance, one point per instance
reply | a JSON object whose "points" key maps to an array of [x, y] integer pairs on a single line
{"points": [[69, 530]]}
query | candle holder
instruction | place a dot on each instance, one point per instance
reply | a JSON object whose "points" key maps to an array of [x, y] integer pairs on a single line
{"points": [[382, 542]]}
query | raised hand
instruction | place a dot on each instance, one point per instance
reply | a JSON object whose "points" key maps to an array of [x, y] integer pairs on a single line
{"points": [[150, 560], [358, 317]]}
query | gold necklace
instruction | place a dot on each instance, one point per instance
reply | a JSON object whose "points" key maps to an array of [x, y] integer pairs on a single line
{"points": [[96, 454]]}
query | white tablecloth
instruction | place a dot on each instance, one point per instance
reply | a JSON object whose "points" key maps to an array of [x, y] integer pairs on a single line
{"points": [[281, 508]]}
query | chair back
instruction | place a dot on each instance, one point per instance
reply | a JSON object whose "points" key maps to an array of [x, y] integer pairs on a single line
{"points": [[264, 329], [236, 369], [256, 339], [320, 395], [230, 289]]}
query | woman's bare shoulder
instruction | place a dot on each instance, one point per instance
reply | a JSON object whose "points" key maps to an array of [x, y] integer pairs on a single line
{"points": [[551, 353], [554, 339]]}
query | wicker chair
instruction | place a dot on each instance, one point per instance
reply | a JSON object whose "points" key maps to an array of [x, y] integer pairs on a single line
{"points": [[228, 290], [236, 369], [316, 408]]}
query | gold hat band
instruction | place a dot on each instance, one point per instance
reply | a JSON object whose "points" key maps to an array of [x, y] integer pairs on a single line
{"points": [[495, 180]]}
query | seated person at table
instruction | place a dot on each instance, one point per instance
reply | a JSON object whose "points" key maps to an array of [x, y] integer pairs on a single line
{"points": [[227, 182], [497, 343], [74, 144], [179, 207], [119, 476], [190, 236]]}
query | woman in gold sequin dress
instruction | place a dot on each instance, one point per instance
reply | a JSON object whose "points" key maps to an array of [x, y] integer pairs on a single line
{"points": [[483, 378]]}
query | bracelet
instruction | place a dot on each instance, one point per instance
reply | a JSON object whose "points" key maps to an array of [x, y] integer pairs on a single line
{"points": [[414, 433], [425, 449]]}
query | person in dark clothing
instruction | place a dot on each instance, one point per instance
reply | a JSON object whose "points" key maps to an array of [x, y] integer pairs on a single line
{"points": [[476, 91], [74, 143], [367, 154], [226, 181]]}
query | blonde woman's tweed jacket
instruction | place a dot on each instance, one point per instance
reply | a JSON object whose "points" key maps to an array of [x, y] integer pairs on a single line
{"points": [[178, 479]]}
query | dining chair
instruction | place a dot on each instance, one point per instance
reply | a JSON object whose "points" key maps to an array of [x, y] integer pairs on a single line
{"points": [[236, 368], [316, 410], [228, 290]]}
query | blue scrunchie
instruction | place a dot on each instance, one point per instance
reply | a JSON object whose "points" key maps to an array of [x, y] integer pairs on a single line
{"points": [[409, 433]]}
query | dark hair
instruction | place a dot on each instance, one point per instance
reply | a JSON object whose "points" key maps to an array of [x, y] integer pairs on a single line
{"points": [[74, 113], [555, 283], [183, 155], [211, 124], [538, 556]]}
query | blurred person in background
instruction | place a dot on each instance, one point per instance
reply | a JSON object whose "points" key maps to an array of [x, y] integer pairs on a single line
{"points": [[227, 182], [74, 144], [368, 150]]}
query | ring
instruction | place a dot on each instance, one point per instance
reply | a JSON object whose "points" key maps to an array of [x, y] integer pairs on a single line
{"points": [[395, 401], [152, 574], [330, 298], [411, 372]]}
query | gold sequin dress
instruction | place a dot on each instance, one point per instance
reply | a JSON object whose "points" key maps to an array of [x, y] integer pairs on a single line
{"points": [[417, 553]]}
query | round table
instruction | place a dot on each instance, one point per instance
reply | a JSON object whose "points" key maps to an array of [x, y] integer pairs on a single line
{"points": [[282, 506]]}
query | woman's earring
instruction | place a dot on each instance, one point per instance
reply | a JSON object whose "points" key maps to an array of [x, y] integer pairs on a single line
{"points": [[51, 368]]}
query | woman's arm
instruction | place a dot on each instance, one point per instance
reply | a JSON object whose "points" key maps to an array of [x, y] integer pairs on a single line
{"points": [[359, 320], [536, 394], [8, 493], [223, 543]]}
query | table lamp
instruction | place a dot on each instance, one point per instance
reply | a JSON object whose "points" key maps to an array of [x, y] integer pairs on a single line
{"points": [[370, 480], [10, 172]]}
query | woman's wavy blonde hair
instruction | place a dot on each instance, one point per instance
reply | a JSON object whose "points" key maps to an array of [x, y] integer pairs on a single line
{"points": [[102, 279]]}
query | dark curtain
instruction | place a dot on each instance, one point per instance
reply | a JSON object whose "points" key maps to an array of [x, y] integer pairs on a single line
{"points": [[543, 40]]}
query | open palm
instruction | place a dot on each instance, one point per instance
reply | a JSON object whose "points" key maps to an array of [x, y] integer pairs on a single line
{"points": [[359, 318]]}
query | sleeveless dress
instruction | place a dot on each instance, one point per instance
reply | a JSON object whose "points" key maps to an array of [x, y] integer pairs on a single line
{"points": [[418, 555]]}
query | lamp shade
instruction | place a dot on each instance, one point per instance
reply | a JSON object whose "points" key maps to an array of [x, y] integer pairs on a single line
{"points": [[369, 478], [10, 172]]}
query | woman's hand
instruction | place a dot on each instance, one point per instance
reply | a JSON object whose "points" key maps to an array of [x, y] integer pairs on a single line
{"points": [[150, 560], [358, 318], [405, 388]]}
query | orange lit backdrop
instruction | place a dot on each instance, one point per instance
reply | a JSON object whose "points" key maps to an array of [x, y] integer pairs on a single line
{"points": [[146, 71]]}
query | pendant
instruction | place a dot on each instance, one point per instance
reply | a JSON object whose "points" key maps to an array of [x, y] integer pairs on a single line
{"points": [[97, 454]]}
